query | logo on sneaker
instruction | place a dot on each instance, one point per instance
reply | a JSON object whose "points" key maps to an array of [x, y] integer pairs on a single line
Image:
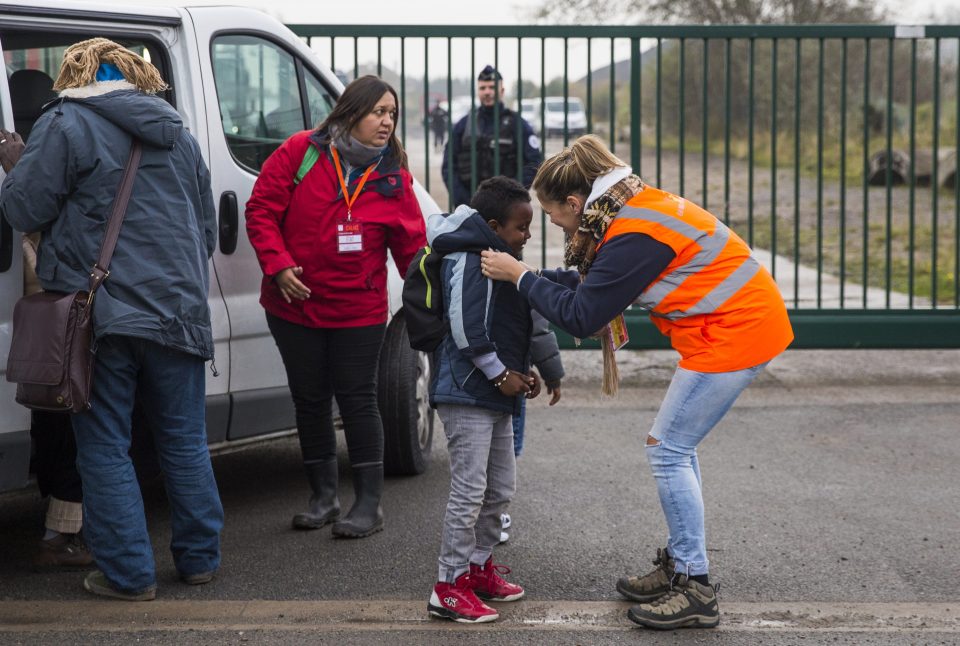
{"points": [[450, 601]]}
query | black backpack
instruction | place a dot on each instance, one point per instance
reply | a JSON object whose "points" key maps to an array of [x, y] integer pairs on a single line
{"points": [[423, 301]]}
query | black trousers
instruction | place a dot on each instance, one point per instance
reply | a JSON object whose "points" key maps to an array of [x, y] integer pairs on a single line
{"points": [[323, 363], [55, 456]]}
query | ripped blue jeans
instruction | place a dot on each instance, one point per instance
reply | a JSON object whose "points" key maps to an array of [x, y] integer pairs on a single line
{"points": [[694, 404]]}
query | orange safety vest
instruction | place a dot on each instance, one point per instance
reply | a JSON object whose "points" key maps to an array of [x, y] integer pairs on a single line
{"points": [[720, 307]]}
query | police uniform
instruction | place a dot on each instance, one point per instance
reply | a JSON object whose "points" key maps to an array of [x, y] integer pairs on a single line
{"points": [[486, 144]]}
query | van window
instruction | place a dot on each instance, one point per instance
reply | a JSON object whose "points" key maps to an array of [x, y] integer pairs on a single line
{"points": [[259, 94], [319, 101], [32, 63]]}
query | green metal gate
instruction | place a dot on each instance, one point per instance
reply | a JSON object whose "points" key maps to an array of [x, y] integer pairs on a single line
{"points": [[831, 149]]}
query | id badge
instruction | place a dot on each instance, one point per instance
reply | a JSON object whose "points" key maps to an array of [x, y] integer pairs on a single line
{"points": [[618, 333], [349, 236]]}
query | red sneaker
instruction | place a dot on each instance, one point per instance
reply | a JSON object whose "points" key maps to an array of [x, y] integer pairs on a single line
{"points": [[488, 584], [458, 602]]}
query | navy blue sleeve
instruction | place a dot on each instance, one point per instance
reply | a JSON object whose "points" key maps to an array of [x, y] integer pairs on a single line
{"points": [[468, 297], [531, 154], [567, 277], [37, 187], [622, 270]]}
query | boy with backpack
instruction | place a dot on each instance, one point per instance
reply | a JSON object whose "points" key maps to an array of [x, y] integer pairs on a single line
{"points": [[482, 374]]}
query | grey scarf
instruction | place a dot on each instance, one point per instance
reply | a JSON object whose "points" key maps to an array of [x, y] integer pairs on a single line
{"points": [[355, 153]]}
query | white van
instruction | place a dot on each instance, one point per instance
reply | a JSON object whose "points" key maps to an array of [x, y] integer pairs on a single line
{"points": [[553, 116], [243, 83]]}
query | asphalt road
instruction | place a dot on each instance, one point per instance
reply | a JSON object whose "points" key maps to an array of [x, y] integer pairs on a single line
{"points": [[832, 511]]}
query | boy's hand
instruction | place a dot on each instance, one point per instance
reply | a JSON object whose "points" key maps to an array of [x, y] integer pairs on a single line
{"points": [[553, 388], [514, 384], [535, 387]]}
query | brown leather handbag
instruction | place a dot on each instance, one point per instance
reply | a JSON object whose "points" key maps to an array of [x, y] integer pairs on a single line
{"points": [[51, 350]]}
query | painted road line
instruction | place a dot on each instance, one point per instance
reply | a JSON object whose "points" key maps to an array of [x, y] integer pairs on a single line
{"points": [[112, 616]]}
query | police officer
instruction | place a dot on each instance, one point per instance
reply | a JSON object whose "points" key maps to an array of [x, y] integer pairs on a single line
{"points": [[487, 140]]}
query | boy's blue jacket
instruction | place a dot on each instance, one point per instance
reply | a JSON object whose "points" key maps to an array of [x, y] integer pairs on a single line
{"points": [[490, 323]]}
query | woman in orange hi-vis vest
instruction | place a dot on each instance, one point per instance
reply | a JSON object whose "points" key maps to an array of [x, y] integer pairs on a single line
{"points": [[634, 244]]}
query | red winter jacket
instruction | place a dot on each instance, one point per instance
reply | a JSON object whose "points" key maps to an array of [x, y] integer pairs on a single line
{"points": [[295, 225]]}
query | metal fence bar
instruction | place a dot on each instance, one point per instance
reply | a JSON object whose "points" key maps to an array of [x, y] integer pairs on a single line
{"points": [[796, 173], [911, 249], [589, 85], [518, 131], [820, 173], [704, 124], [543, 143], [682, 109], [403, 90], [751, 107], [935, 193], [635, 100], [496, 108], [449, 155], [889, 173], [773, 158], [727, 73], [843, 172], [473, 117], [613, 95], [865, 279], [427, 125], [659, 107]]}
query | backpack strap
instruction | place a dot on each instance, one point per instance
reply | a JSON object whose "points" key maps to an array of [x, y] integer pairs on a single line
{"points": [[426, 279], [310, 158]]}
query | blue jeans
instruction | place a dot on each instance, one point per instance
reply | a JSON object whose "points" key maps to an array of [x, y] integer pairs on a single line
{"points": [[483, 478], [169, 385], [694, 404], [518, 423]]}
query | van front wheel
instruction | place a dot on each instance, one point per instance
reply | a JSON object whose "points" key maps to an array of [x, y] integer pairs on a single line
{"points": [[403, 394]]}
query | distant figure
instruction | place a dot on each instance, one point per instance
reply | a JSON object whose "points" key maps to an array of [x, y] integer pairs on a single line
{"points": [[524, 150], [438, 124]]}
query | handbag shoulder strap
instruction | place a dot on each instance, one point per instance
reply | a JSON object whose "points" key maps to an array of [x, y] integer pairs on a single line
{"points": [[101, 269]]}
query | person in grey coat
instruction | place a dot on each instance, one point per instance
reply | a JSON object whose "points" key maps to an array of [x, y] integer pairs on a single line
{"points": [[545, 355], [151, 317]]}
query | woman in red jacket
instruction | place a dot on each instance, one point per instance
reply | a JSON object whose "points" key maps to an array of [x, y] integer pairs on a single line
{"points": [[327, 206]]}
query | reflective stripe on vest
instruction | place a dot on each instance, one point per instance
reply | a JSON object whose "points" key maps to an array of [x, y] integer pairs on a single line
{"points": [[711, 248]]}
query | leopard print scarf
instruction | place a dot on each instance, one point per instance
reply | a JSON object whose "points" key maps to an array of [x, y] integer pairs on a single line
{"points": [[581, 248]]}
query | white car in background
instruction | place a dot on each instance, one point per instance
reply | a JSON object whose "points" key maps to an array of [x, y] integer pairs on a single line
{"points": [[553, 116]]}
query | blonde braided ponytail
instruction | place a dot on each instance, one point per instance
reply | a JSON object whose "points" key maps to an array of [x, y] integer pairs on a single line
{"points": [[81, 60]]}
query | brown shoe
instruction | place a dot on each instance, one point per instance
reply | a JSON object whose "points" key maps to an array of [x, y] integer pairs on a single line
{"points": [[66, 551], [651, 585]]}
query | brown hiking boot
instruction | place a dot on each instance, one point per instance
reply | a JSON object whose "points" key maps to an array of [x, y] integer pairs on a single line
{"points": [[66, 551], [651, 585], [688, 604]]}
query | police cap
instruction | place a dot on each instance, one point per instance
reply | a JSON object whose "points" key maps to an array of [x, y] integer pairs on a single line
{"points": [[489, 73]]}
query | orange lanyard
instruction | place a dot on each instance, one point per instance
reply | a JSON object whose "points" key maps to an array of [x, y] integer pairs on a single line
{"points": [[350, 199]]}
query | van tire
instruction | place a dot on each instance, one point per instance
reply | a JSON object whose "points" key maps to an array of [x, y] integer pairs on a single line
{"points": [[403, 396]]}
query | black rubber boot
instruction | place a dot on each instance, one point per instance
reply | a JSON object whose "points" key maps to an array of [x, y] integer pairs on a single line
{"points": [[324, 505], [365, 517]]}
